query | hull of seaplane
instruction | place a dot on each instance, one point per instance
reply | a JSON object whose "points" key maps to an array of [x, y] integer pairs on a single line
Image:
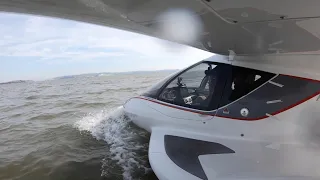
{"points": [[269, 133]]}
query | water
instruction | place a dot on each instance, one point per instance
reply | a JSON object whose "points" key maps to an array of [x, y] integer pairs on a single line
{"points": [[73, 128]]}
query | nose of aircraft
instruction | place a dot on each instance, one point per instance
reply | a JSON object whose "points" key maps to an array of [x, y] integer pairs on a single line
{"points": [[139, 113]]}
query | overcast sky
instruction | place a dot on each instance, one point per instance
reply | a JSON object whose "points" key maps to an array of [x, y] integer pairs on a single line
{"points": [[38, 48]]}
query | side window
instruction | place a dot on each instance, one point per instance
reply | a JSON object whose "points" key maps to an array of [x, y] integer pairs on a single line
{"points": [[193, 88], [243, 81]]}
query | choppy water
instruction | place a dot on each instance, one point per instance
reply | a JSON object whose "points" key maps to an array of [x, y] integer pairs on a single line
{"points": [[73, 129]]}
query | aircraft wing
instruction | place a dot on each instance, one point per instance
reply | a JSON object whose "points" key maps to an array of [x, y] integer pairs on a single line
{"points": [[246, 26]]}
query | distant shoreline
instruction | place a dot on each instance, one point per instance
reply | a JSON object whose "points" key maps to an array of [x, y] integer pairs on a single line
{"points": [[109, 73], [90, 74], [15, 82]]}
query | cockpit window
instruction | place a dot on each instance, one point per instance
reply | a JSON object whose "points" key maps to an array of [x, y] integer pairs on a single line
{"points": [[243, 81], [194, 88], [154, 90]]}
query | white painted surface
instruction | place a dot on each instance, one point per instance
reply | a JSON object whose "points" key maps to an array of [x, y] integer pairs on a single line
{"points": [[276, 84], [283, 146], [269, 148]]}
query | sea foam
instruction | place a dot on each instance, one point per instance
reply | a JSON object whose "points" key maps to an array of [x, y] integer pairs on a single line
{"points": [[114, 127]]}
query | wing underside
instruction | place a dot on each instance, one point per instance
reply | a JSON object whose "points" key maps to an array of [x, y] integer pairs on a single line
{"points": [[247, 26]]}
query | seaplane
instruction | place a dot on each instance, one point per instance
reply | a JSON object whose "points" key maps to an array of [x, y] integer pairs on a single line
{"points": [[251, 111]]}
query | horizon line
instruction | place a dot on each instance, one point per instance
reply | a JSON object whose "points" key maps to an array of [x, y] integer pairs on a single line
{"points": [[133, 71]]}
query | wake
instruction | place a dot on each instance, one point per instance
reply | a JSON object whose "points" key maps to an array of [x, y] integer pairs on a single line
{"points": [[128, 147]]}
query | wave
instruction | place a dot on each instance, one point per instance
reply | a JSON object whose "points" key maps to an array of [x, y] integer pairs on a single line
{"points": [[90, 104], [115, 128], [50, 116], [32, 97]]}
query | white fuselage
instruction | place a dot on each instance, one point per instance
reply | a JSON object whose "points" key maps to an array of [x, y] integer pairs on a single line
{"points": [[280, 144]]}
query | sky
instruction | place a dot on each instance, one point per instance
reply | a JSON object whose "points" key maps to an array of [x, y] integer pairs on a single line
{"points": [[38, 48]]}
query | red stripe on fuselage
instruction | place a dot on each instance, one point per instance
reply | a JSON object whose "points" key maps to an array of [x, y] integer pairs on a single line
{"points": [[172, 106], [303, 78], [242, 119]]}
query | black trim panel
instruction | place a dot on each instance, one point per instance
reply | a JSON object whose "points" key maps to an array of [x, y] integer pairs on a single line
{"points": [[184, 152], [294, 91]]}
